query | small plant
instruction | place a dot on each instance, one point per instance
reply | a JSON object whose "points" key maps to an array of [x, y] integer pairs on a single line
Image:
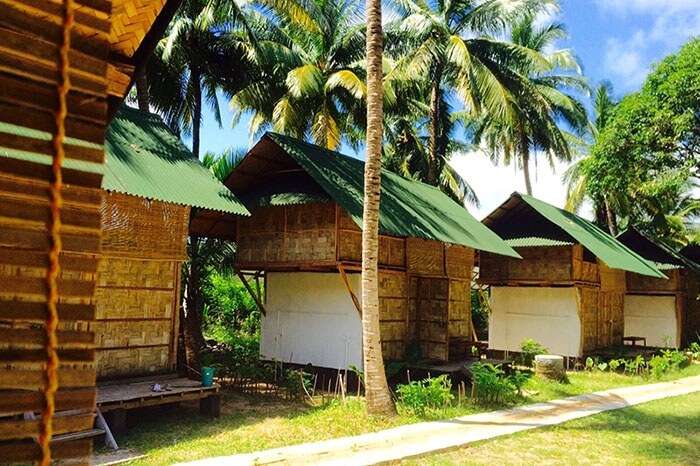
{"points": [[492, 385], [658, 366], [519, 379], [423, 396], [529, 348], [297, 383], [615, 364], [602, 366], [590, 364]]}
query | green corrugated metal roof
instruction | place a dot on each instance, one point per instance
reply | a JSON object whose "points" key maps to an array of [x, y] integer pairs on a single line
{"points": [[664, 256], [408, 208], [144, 158], [535, 241], [615, 254]]}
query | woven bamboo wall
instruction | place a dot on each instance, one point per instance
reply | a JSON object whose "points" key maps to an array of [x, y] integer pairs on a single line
{"points": [[583, 270], [611, 321], [588, 301], [392, 251], [691, 330], [393, 313], [642, 284], [288, 236], [138, 286], [552, 264]]}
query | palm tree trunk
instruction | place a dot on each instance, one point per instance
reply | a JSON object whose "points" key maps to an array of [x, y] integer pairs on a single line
{"points": [[433, 130], [610, 217], [194, 303], [197, 110], [142, 97], [376, 388], [525, 155]]}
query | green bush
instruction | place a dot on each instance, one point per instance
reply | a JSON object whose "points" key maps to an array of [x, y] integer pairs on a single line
{"points": [[529, 349], [228, 308], [493, 385], [422, 396]]}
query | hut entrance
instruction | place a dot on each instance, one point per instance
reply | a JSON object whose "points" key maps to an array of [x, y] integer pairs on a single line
{"points": [[431, 317]]}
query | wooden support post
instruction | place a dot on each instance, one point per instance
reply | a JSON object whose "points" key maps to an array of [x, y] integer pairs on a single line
{"points": [[102, 424], [210, 406], [344, 276], [251, 292]]}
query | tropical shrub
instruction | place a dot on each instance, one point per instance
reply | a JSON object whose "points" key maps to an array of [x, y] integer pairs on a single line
{"points": [[529, 348], [493, 385], [422, 396]]}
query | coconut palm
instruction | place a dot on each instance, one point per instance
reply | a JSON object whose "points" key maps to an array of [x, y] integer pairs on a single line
{"points": [[406, 149], [450, 47], [204, 254], [574, 176], [199, 55], [377, 392], [542, 100], [311, 82]]}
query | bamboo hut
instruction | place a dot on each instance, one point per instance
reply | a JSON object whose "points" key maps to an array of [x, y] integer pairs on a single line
{"points": [[110, 40], [304, 235], [663, 312], [567, 293]]}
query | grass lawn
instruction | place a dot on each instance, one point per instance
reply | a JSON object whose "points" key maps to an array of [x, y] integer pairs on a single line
{"points": [[663, 432], [248, 423]]}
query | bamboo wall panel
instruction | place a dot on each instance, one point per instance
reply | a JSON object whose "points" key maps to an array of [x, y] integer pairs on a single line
{"points": [[692, 309], [583, 270], [392, 251], [425, 257], [393, 313], [143, 229], [287, 236], [644, 284], [431, 303], [126, 362], [138, 287], [459, 261], [587, 297], [538, 265]]}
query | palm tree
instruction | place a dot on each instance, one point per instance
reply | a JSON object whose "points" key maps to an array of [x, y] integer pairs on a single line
{"points": [[200, 53], [449, 46], [204, 254], [406, 148], [574, 176], [311, 82], [377, 392], [540, 102]]}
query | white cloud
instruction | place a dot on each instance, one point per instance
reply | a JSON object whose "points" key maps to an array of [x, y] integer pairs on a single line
{"points": [[672, 23], [493, 184], [626, 61]]}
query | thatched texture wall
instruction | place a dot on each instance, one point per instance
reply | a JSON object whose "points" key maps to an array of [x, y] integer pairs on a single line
{"points": [[540, 265], [600, 291], [137, 294], [425, 292]]}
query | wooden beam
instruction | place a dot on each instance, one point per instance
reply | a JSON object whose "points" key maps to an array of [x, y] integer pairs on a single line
{"points": [[251, 292], [344, 276]]}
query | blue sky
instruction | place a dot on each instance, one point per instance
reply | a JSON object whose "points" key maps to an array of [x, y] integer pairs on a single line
{"points": [[617, 40]]}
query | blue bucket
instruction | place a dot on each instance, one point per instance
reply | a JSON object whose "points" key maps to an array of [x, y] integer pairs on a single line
{"points": [[207, 376]]}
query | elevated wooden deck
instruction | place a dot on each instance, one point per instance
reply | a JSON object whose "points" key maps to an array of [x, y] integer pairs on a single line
{"points": [[138, 392]]}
